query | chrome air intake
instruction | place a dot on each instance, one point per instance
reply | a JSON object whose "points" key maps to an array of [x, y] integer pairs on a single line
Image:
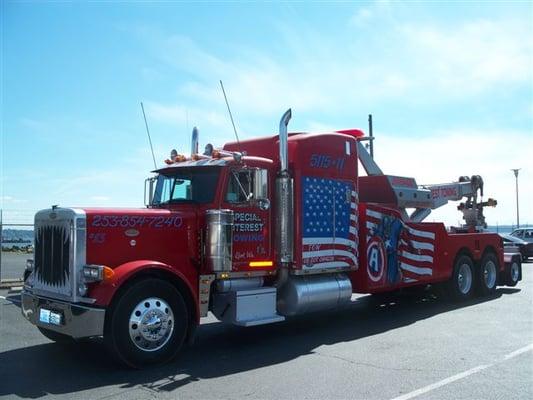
{"points": [[284, 219], [219, 240]]}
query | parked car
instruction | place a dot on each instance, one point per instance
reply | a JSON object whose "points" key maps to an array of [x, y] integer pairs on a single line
{"points": [[526, 234], [512, 243]]}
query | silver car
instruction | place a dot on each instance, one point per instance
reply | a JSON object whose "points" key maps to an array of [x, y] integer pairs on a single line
{"points": [[526, 235]]}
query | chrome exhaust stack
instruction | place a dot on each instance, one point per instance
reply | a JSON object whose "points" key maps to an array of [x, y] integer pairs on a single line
{"points": [[298, 295], [283, 142], [285, 205], [194, 141]]}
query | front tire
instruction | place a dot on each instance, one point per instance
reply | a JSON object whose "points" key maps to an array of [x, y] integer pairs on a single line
{"points": [[461, 286], [148, 324], [487, 274]]}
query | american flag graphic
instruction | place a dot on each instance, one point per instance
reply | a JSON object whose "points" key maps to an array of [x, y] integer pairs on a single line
{"points": [[329, 223], [415, 246]]}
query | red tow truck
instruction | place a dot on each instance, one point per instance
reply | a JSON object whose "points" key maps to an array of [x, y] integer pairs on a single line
{"points": [[255, 232]]}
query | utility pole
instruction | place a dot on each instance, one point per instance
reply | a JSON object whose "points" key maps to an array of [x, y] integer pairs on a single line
{"points": [[515, 170]]}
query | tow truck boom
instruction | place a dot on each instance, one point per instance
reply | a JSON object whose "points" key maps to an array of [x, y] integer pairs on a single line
{"points": [[405, 193]]}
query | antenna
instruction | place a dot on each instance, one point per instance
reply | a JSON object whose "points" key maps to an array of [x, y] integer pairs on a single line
{"points": [[148, 132], [231, 116]]}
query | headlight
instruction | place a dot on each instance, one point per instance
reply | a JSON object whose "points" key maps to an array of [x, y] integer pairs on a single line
{"points": [[97, 273]]}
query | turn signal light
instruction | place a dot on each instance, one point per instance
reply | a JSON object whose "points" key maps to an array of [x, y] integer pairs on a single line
{"points": [[108, 273], [261, 263]]}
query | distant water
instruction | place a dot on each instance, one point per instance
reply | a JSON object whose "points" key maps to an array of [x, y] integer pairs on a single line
{"points": [[18, 244], [505, 228]]}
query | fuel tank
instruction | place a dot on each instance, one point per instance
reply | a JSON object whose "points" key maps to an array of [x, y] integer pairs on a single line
{"points": [[304, 294]]}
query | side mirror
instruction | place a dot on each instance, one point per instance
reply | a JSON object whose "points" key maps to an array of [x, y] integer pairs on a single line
{"points": [[149, 190]]}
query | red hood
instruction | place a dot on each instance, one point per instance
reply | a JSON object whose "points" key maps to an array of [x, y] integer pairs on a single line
{"points": [[119, 235]]}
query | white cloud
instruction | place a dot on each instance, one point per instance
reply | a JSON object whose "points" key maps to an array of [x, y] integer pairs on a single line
{"points": [[368, 14], [445, 156], [363, 15], [407, 62], [11, 200], [473, 57]]}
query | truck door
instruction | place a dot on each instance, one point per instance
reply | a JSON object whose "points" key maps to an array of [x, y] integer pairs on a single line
{"points": [[329, 224], [247, 195]]}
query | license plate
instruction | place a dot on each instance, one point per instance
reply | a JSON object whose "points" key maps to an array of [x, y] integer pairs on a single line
{"points": [[49, 317]]}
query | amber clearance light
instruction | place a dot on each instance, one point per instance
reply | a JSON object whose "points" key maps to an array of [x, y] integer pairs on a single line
{"points": [[261, 263]]}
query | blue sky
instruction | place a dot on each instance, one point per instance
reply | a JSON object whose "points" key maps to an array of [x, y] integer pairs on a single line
{"points": [[450, 86]]}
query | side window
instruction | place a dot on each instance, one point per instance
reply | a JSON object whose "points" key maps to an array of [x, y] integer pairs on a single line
{"points": [[529, 235], [239, 187], [166, 189], [182, 190]]}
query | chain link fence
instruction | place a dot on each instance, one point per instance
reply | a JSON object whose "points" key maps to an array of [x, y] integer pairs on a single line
{"points": [[16, 243]]}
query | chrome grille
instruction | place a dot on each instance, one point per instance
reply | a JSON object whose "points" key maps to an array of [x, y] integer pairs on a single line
{"points": [[52, 255], [60, 247]]}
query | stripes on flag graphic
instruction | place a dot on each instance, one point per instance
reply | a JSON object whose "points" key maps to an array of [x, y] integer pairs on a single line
{"points": [[411, 251], [329, 226]]}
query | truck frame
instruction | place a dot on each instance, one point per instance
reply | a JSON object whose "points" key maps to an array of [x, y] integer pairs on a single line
{"points": [[255, 232]]}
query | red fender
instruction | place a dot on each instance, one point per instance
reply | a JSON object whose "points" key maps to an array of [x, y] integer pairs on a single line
{"points": [[104, 292]]}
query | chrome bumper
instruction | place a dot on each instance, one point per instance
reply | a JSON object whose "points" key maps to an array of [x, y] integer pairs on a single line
{"points": [[77, 321]]}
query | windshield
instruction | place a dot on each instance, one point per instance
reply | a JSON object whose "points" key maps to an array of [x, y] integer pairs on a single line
{"points": [[186, 186]]}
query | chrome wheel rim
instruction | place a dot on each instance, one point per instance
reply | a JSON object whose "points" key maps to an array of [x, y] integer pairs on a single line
{"points": [[151, 324], [515, 271], [489, 274], [464, 278]]}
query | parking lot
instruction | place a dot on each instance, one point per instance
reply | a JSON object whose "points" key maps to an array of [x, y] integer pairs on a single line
{"points": [[405, 346]]}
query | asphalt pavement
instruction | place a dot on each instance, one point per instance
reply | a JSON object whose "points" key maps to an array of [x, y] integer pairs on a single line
{"points": [[13, 264], [401, 347]]}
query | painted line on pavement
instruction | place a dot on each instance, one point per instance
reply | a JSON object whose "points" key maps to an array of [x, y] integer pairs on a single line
{"points": [[462, 375], [9, 299]]}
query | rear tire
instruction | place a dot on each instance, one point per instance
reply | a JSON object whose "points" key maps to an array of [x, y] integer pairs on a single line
{"points": [[513, 273], [461, 285], [148, 324], [487, 274]]}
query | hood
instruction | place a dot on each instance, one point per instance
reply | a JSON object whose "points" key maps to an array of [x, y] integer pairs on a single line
{"points": [[119, 235]]}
